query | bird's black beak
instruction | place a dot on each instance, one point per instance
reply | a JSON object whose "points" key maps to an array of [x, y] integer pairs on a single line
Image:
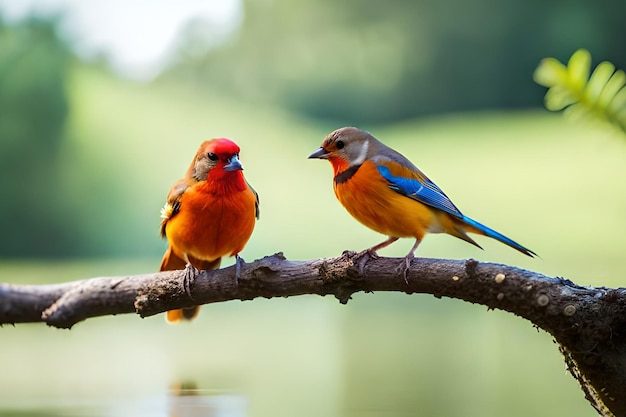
{"points": [[321, 153], [233, 164]]}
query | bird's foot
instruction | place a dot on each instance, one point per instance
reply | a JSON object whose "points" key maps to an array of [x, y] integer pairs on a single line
{"points": [[239, 262], [370, 253], [189, 276], [361, 258], [404, 266]]}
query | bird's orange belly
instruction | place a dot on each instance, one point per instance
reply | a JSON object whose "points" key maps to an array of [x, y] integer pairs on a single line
{"points": [[381, 209], [209, 229]]}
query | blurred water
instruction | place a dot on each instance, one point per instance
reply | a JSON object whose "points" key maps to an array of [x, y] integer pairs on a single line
{"points": [[174, 403]]}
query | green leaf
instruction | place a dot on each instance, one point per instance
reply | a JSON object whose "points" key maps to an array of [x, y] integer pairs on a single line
{"points": [[601, 95], [618, 104], [612, 87], [578, 68], [550, 72], [599, 79], [558, 98]]}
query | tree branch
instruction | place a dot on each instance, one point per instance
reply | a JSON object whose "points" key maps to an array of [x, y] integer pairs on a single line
{"points": [[588, 323]]}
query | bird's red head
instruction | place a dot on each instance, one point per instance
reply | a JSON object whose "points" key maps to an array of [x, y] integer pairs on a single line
{"points": [[217, 159]]}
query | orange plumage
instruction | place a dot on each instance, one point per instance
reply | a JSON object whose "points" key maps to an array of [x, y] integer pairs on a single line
{"points": [[210, 213]]}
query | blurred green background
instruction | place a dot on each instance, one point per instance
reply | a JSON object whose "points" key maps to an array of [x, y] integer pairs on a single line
{"points": [[89, 149]]}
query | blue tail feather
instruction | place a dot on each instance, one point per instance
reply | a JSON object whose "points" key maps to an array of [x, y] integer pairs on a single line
{"points": [[498, 236]]}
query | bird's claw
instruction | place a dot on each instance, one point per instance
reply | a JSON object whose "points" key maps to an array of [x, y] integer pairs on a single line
{"points": [[404, 267], [238, 264], [361, 258], [189, 276]]}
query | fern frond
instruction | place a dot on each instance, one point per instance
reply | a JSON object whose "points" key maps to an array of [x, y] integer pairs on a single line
{"points": [[573, 89]]}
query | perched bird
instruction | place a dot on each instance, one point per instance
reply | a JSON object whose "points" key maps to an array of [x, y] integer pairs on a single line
{"points": [[387, 193], [210, 213]]}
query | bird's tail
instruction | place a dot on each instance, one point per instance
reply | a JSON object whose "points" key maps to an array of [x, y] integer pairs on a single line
{"points": [[172, 262], [479, 228], [182, 314]]}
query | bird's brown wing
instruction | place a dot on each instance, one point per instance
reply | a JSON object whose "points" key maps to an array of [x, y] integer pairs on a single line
{"points": [[172, 205]]}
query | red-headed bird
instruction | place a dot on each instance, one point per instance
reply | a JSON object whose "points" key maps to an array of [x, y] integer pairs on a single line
{"points": [[209, 213], [387, 193]]}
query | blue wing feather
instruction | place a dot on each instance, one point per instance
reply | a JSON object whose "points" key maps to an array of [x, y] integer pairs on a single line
{"points": [[425, 192]]}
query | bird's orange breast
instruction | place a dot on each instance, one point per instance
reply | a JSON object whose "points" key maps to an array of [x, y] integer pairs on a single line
{"points": [[368, 198], [210, 225]]}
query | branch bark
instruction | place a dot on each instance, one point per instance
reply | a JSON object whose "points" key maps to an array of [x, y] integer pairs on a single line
{"points": [[588, 323]]}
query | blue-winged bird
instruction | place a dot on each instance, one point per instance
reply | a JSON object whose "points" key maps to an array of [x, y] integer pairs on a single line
{"points": [[387, 193]]}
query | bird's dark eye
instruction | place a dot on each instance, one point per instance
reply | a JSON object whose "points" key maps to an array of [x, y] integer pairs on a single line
{"points": [[339, 144], [212, 156]]}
